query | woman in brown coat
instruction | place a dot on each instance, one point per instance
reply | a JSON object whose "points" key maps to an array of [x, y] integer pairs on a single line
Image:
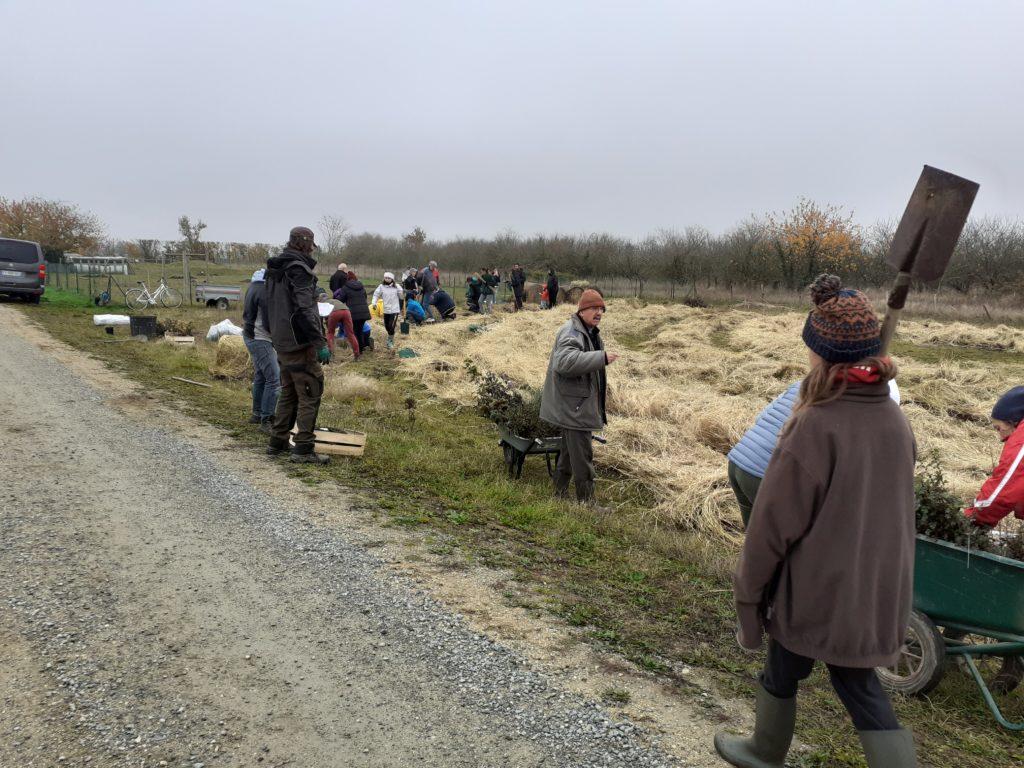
{"points": [[827, 565]]}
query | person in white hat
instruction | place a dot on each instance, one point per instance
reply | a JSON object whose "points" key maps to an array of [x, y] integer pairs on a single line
{"points": [[393, 296]]}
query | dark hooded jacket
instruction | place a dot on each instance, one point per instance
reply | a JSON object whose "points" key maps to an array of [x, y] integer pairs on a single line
{"points": [[552, 286], [354, 295], [290, 300], [338, 279]]}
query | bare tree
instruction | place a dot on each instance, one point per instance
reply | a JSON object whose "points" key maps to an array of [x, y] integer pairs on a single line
{"points": [[333, 234], [193, 235], [149, 250]]}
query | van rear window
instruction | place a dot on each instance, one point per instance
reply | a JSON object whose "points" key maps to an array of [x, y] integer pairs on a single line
{"points": [[19, 252]]}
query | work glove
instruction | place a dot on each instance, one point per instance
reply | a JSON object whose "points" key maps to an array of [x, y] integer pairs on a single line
{"points": [[323, 356]]}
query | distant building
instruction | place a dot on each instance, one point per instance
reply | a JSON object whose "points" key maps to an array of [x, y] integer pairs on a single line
{"points": [[96, 265]]}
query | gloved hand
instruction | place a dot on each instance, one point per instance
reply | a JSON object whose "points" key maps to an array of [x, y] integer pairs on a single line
{"points": [[324, 355]]}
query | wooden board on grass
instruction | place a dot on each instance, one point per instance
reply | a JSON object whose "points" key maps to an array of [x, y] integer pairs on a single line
{"points": [[338, 441]]}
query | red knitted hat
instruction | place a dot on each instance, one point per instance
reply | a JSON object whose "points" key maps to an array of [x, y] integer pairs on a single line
{"points": [[591, 298]]}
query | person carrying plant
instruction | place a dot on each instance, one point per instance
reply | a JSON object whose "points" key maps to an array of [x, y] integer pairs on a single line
{"points": [[299, 341], [574, 394], [827, 565], [392, 295], [1003, 492]]}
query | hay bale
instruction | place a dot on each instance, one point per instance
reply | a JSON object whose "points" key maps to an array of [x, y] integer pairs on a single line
{"points": [[232, 360]]}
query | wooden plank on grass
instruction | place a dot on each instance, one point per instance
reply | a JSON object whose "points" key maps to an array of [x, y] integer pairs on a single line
{"points": [[189, 381]]}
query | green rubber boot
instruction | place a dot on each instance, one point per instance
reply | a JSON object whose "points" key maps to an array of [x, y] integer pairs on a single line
{"points": [[889, 749], [773, 733]]}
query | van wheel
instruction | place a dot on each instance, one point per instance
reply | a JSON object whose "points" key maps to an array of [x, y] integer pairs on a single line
{"points": [[222, 304]]}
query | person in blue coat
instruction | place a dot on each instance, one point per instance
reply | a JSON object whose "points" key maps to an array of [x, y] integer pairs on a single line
{"points": [[414, 311], [748, 459]]}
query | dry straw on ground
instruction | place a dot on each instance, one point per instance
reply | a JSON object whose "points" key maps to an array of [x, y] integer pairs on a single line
{"points": [[690, 381], [232, 359]]}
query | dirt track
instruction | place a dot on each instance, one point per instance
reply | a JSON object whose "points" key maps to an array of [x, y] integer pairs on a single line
{"points": [[159, 607]]}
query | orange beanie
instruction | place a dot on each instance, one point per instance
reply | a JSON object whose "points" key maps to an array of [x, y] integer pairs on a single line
{"points": [[590, 299]]}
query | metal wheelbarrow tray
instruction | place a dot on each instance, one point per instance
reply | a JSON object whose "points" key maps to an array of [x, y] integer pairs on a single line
{"points": [[977, 598], [516, 449]]}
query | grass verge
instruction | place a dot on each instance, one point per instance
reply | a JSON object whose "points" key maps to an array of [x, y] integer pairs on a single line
{"points": [[658, 596]]}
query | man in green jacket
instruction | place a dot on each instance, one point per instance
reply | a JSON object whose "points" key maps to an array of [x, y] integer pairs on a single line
{"points": [[301, 347], [574, 394]]}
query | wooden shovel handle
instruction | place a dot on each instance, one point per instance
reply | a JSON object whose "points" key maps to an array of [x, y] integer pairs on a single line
{"points": [[897, 300]]}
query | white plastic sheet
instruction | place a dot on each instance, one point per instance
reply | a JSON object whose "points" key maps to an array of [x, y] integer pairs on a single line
{"points": [[223, 328], [111, 320]]}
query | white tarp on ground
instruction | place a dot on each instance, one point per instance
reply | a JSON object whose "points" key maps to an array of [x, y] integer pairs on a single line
{"points": [[223, 328], [324, 308], [111, 320]]}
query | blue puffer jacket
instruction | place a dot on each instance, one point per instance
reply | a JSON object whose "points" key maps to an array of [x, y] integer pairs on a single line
{"points": [[755, 448]]}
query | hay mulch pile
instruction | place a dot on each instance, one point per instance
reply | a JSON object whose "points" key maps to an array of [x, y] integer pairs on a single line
{"points": [[690, 381], [232, 359]]}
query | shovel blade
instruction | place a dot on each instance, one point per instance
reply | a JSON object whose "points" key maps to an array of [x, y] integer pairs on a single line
{"points": [[931, 224]]}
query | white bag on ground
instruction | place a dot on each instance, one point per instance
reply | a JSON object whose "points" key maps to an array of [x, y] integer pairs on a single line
{"points": [[111, 320], [223, 328]]}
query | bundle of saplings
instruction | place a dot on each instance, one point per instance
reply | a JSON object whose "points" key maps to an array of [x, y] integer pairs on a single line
{"points": [[940, 515], [512, 405]]}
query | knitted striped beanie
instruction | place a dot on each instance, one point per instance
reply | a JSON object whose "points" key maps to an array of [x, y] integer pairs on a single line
{"points": [[842, 327]]}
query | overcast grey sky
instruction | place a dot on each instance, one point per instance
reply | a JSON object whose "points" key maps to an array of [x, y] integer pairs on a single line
{"points": [[467, 118]]}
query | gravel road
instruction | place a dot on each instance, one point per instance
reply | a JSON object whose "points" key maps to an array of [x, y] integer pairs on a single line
{"points": [[156, 609]]}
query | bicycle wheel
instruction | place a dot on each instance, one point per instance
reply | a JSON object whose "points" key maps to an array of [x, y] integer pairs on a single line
{"points": [[136, 299], [170, 298]]}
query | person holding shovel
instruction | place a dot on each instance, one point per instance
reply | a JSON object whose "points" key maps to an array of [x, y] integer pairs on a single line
{"points": [[826, 569], [575, 390], [300, 344]]}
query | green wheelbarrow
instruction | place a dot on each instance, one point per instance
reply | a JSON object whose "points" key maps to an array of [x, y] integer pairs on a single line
{"points": [[516, 449], [977, 599]]}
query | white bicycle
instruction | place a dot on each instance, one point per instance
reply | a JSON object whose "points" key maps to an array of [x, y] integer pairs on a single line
{"points": [[143, 298]]}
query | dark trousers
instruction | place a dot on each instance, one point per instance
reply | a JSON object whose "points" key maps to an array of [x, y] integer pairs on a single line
{"points": [[517, 296], [575, 462], [858, 689], [389, 323], [744, 486], [302, 386]]}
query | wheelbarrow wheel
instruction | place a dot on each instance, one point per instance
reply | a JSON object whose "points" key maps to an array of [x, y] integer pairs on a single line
{"points": [[922, 659], [1002, 674]]}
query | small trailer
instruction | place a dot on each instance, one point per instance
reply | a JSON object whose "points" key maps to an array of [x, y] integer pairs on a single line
{"points": [[219, 296]]}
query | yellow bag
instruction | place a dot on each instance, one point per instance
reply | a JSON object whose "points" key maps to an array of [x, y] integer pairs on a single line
{"points": [[377, 310]]}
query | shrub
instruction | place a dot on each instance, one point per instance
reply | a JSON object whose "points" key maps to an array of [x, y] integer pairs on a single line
{"points": [[505, 402], [939, 512]]}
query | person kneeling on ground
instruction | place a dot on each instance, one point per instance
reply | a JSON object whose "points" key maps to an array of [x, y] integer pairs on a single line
{"points": [[574, 394], [827, 565], [1003, 492], [266, 376], [414, 312], [444, 303], [300, 345]]}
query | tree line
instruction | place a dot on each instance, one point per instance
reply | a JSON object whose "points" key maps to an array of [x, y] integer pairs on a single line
{"points": [[781, 250]]}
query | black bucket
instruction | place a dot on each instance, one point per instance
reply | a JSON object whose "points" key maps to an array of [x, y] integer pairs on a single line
{"points": [[143, 325]]}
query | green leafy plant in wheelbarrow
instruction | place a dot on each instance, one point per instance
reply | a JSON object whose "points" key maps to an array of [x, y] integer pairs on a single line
{"points": [[515, 408], [968, 603]]}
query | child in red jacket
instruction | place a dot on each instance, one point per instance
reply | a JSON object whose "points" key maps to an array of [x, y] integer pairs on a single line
{"points": [[1003, 492]]}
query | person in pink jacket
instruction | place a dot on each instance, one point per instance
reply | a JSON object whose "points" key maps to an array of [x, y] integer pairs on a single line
{"points": [[1003, 492]]}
